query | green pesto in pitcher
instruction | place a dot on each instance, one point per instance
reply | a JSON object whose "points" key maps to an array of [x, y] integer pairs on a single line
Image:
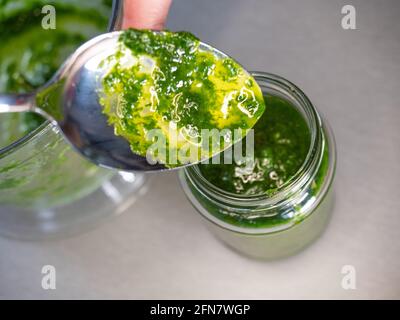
{"points": [[43, 171], [31, 54]]}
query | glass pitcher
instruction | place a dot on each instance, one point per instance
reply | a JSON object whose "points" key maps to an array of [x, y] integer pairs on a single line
{"points": [[46, 189]]}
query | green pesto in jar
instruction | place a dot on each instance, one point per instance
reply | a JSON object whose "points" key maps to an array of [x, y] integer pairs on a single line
{"points": [[281, 143], [165, 80]]}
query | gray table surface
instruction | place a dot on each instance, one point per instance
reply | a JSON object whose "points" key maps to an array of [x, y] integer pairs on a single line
{"points": [[160, 249]]}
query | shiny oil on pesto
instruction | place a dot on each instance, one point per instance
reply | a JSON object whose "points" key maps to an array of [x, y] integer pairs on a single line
{"points": [[164, 80]]}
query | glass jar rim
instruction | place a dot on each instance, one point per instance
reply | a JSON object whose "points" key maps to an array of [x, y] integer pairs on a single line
{"points": [[302, 175], [113, 24]]}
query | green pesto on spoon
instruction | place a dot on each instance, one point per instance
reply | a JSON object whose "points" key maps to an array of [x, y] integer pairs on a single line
{"points": [[120, 87]]}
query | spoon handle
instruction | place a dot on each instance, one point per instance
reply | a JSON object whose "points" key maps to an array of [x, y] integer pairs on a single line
{"points": [[16, 102]]}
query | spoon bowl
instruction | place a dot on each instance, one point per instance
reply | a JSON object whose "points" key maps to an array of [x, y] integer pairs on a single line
{"points": [[70, 100]]}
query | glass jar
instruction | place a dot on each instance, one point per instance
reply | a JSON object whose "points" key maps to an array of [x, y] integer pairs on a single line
{"points": [[292, 217], [47, 189]]}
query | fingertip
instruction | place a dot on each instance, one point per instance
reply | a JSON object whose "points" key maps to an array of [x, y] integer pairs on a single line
{"points": [[145, 14]]}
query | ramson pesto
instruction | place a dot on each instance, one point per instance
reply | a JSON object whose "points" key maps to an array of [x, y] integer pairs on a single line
{"points": [[281, 202], [43, 171], [281, 143], [166, 81], [30, 54]]}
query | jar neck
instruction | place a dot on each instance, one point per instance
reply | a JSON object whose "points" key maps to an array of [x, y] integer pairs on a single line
{"points": [[274, 85]]}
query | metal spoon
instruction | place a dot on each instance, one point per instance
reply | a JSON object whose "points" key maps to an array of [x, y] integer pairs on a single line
{"points": [[70, 101]]}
